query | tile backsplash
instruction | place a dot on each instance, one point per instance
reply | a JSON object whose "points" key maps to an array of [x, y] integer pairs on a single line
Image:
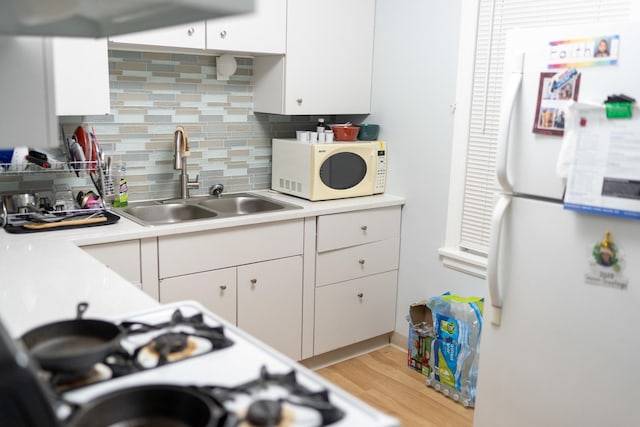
{"points": [[152, 94]]}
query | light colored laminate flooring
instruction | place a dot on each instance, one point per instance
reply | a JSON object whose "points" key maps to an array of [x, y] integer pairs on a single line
{"points": [[383, 380]]}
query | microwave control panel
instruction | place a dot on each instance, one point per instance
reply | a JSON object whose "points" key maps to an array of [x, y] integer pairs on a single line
{"points": [[381, 166]]}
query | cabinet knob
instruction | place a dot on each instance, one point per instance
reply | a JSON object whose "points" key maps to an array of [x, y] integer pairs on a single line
{"points": [[253, 281], [223, 34], [363, 228], [299, 101], [361, 261], [223, 287], [360, 295], [191, 31]]}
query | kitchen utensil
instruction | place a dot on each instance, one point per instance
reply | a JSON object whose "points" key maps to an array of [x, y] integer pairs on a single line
{"points": [[84, 140], [72, 345], [368, 132], [65, 223], [157, 404], [22, 201], [345, 132]]}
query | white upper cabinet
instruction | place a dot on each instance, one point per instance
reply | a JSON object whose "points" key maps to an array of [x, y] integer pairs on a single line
{"points": [[328, 63], [262, 31], [81, 76], [185, 36], [27, 104]]}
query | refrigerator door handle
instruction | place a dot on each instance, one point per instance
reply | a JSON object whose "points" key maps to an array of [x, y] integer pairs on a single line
{"points": [[508, 102], [493, 280]]}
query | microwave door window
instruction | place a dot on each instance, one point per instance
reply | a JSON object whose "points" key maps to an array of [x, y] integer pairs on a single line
{"points": [[343, 170]]}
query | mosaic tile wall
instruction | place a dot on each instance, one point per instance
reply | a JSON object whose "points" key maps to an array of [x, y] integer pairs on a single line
{"points": [[151, 94]]}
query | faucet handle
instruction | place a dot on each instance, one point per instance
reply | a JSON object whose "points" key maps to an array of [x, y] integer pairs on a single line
{"points": [[193, 184], [216, 190]]}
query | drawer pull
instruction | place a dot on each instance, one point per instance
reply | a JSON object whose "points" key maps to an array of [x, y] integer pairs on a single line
{"points": [[361, 261], [191, 31], [223, 34], [223, 287], [253, 281], [360, 295], [363, 228]]}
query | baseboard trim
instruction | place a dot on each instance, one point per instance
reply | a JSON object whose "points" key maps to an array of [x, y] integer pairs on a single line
{"points": [[400, 341], [346, 353]]}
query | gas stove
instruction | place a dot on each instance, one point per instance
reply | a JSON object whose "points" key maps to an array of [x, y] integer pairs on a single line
{"points": [[228, 375]]}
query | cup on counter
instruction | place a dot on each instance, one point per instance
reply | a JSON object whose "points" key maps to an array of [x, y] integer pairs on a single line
{"points": [[302, 135], [322, 138], [328, 136], [313, 137]]}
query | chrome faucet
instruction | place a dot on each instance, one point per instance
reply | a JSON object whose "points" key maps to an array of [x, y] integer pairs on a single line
{"points": [[216, 190], [181, 147]]}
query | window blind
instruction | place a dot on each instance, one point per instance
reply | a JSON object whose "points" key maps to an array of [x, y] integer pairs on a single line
{"points": [[495, 18]]}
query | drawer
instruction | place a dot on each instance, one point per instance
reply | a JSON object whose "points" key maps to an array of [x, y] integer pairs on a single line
{"points": [[357, 261], [358, 227], [212, 250], [353, 311]]}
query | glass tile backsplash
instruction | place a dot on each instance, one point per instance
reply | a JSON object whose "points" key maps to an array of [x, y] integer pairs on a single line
{"points": [[152, 94]]}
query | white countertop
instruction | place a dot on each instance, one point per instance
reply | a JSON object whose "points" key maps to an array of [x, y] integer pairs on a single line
{"points": [[44, 275]]}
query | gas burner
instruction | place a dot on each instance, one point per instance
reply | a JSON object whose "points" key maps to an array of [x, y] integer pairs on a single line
{"points": [[145, 346], [171, 347], [277, 400], [62, 381]]}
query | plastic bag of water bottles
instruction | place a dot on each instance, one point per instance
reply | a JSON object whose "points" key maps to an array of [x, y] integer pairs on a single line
{"points": [[457, 323]]}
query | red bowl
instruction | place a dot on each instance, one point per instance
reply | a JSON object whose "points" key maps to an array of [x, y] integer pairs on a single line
{"points": [[345, 133]]}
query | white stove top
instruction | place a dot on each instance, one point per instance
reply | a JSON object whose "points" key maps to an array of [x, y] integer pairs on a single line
{"points": [[237, 364]]}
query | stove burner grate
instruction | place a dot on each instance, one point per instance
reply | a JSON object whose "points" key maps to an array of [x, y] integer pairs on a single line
{"points": [[266, 411]]}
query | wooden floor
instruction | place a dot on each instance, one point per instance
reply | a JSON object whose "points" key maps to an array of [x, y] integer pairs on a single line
{"points": [[383, 380]]}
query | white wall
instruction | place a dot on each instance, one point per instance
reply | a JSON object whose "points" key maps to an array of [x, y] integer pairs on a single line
{"points": [[414, 74]]}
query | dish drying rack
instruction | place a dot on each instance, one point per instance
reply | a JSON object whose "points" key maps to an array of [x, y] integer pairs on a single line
{"points": [[99, 172]]}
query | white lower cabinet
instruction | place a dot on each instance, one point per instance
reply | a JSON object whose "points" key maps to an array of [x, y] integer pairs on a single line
{"points": [[216, 290], [356, 278], [353, 311], [121, 257], [270, 303], [250, 276]]}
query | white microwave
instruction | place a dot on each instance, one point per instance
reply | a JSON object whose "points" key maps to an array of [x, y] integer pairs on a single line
{"points": [[328, 171]]}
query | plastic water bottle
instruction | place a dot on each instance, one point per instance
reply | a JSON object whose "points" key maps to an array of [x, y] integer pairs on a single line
{"points": [[455, 350], [122, 199]]}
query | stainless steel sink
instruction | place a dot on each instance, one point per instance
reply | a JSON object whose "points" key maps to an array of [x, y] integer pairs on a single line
{"points": [[155, 214], [201, 208], [240, 204]]}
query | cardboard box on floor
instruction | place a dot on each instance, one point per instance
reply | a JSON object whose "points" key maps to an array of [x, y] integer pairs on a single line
{"points": [[420, 337]]}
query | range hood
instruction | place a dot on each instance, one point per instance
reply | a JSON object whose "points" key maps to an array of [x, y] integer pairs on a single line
{"points": [[102, 18]]}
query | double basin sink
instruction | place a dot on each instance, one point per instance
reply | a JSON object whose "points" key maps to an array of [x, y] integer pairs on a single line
{"points": [[199, 208]]}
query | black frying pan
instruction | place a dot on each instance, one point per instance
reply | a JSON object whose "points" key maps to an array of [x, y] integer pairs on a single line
{"points": [[158, 405], [72, 346]]}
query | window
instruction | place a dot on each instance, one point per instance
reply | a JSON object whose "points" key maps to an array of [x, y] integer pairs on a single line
{"points": [[484, 24]]}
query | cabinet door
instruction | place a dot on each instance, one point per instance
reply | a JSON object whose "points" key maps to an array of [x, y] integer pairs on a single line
{"points": [[121, 257], [190, 36], [81, 76], [261, 31], [27, 114], [270, 303], [216, 290], [353, 311], [329, 71]]}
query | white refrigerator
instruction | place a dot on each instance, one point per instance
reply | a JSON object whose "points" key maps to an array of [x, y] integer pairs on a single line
{"points": [[560, 342]]}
